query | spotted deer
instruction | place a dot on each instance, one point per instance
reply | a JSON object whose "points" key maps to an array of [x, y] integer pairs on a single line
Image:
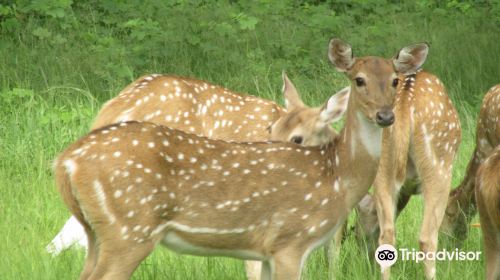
{"points": [[308, 126], [255, 127], [461, 203], [268, 201], [417, 156], [426, 135], [192, 105], [422, 144], [187, 104], [488, 201]]}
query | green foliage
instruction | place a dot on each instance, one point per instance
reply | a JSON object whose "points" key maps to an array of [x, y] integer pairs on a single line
{"points": [[114, 41], [60, 59], [16, 95]]}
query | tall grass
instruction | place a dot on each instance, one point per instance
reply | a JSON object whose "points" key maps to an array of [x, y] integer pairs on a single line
{"points": [[66, 84]]}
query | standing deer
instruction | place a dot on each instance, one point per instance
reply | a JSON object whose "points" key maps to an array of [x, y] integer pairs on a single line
{"points": [[462, 203], [423, 141], [193, 106], [183, 103], [420, 145], [488, 201], [125, 107], [211, 197]]}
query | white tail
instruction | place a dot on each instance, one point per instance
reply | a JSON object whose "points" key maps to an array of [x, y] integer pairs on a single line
{"points": [[461, 207], [273, 202]]}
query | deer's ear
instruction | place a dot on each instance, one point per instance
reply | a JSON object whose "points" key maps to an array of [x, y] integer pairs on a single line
{"points": [[292, 98], [409, 59], [340, 54], [335, 107]]}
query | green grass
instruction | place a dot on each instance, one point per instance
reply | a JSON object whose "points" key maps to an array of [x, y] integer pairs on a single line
{"points": [[32, 212], [65, 85]]}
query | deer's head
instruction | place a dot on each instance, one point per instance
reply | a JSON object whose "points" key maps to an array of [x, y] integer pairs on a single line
{"points": [[374, 79], [308, 126]]}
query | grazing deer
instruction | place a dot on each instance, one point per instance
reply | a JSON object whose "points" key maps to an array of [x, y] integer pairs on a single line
{"points": [[488, 201], [133, 185], [461, 203]]}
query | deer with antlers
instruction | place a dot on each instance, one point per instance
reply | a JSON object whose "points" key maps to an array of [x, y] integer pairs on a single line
{"points": [[462, 203], [210, 197]]}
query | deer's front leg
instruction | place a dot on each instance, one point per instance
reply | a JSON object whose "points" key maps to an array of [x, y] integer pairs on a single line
{"points": [[385, 201], [287, 263], [386, 189], [332, 250], [253, 270]]}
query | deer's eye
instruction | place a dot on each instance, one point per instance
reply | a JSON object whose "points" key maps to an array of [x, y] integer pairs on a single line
{"points": [[269, 129], [360, 82], [395, 82], [297, 139]]}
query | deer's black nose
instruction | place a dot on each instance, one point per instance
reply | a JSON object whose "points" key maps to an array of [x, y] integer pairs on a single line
{"points": [[385, 118]]}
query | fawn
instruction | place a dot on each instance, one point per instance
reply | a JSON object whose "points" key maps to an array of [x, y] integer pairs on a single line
{"points": [[133, 185]]}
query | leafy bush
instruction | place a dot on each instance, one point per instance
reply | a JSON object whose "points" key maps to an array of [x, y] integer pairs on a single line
{"points": [[101, 45]]}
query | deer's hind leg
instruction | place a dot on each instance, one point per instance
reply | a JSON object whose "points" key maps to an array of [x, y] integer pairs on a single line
{"points": [[491, 233], [118, 258], [435, 176], [287, 264], [92, 254]]}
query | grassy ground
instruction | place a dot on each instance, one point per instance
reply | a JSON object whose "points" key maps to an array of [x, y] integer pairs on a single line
{"points": [[50, 96]]}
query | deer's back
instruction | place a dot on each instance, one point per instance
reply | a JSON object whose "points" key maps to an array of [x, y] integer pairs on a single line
{"points": [[192, 105]]}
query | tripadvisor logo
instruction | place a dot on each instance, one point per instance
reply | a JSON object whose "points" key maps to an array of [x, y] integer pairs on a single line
{"points": [[386, 255]]}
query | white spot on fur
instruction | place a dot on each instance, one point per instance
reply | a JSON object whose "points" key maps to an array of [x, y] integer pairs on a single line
{"points": [[101, 199]]}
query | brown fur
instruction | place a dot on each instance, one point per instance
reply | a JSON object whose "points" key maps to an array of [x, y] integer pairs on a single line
{"points": [[461, 207], [160, 89], [422, 111], [488, 202], [423, 142], [165, 99], [178, 187]]}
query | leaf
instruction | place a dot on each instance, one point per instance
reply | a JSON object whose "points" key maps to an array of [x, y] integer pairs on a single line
{"points": [[21, 92], [224, 29], [193, 39], [248, 22], [42, 33]]}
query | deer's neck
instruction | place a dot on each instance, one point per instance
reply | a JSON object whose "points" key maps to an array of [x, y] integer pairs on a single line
{"points": [[359, 153]]}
